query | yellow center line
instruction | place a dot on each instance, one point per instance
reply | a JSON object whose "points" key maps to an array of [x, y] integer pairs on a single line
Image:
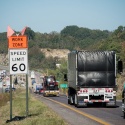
{"points": [[82, 113]]}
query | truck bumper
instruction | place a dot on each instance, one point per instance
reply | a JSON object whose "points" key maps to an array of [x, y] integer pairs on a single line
{"points": [[51, 93]]}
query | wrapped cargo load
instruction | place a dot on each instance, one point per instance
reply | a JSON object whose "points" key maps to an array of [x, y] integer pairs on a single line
{"points": [[92, 77], [96, 68]]}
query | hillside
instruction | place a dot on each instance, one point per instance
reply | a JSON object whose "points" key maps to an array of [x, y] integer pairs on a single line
{"points": [[60, 53], [4, 59]]}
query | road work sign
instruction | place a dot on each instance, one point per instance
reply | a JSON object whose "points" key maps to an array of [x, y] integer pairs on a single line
{"points": [[17, 42], [18, 61]]}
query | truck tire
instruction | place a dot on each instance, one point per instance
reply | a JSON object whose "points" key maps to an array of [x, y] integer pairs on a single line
{"points": [[103, 104], [44, 94], [75, 102], [124, 114], [70, 100]]}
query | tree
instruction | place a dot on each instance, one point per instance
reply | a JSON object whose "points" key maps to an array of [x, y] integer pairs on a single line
{"points": [[69, 31], [35, 57], [30, 33]]}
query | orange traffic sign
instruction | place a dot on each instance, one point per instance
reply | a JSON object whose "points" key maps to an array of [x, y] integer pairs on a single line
{"points": [[17, 42]]}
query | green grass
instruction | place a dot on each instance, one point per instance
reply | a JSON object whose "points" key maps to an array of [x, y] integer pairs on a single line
{"points": [[119, 97], [4, 98], [40, 113]]}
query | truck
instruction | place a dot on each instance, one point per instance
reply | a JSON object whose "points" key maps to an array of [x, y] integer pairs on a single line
{"points": [[91, 78], [50, 86], [37, 87]]}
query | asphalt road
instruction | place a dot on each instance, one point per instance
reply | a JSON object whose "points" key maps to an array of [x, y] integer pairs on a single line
{"points": [[92, 115], [71, 117]]}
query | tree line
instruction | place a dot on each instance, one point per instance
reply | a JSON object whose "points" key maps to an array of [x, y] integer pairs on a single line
{"points": [[72, 38]]}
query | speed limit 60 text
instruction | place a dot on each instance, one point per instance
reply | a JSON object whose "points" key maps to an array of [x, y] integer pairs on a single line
{"points": [[18, 61]]}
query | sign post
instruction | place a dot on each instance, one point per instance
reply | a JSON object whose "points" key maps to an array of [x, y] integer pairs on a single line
{"points": [[18, 56], [10, 97], [27, 111]]}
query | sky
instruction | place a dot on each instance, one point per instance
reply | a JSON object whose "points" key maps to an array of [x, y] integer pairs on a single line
{"points": [[46, 16]]}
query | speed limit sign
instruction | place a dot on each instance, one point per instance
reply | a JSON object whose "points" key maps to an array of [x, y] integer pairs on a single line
{"points": [[18, 61]]}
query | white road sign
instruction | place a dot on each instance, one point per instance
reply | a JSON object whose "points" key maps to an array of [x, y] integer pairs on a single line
{"points": [[18, 61]]}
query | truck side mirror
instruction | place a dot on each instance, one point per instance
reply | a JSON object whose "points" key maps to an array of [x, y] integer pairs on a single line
{"points": [[65, 77], [120, 66]]}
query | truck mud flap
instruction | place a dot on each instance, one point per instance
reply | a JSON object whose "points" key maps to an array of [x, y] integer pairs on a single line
{"points": [[80, 102], [111, 104]]}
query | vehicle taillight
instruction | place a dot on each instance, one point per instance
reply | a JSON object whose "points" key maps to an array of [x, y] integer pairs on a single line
{"points": [[80, 91], [108, 90], [85, 90]]}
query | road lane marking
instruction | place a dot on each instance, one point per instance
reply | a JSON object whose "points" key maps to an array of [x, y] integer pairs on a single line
{"points": [[82, 113]]}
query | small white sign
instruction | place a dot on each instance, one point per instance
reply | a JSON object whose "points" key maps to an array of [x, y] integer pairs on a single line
{"points": [[18, 61]]}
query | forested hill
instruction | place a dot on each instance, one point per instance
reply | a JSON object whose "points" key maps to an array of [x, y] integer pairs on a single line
{"points": [[72, 38]]}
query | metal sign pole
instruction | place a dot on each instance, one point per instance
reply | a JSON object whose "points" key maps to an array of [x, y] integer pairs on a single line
{"points": [[27, 95], [10, 97], [2, 87]]}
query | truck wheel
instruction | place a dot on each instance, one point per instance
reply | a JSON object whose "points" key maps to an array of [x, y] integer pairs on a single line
{"points": [[44, 94], [103, 104], [76, 101], [71, 100], [68, 101], [124, 114]]}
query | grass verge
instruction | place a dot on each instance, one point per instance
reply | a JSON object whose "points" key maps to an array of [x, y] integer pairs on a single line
{"points": [[4, 98], [39, 113]]}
